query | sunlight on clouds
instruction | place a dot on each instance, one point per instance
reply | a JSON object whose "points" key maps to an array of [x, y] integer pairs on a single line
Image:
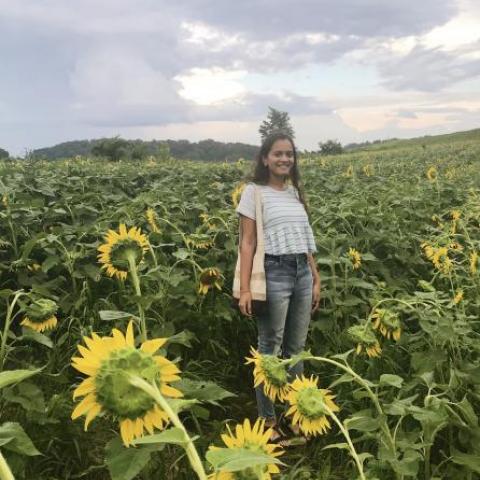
{"points": [[207, 86]]}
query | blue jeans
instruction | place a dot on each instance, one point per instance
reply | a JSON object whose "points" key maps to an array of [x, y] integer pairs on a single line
{"points": [[283, 328]]}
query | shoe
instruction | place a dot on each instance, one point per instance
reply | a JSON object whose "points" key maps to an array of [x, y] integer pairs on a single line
{"points": [[279, 437], [294, 434]]}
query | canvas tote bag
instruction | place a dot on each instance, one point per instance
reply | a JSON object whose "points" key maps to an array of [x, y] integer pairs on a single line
{"points": [[258, 285]]}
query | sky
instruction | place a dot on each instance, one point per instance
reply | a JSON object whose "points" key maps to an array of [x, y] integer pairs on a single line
{"points": [[350, 70]]}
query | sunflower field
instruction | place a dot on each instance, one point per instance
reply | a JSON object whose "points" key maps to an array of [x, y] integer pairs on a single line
{"points": [[122, 358]]}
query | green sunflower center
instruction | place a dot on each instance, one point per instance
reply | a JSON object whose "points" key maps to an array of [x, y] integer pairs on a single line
{"points": [[360, 334], [122, 250], [113, 387], [247, 474], [41, 310], [391, 320], [275, 372], [311, 403]]}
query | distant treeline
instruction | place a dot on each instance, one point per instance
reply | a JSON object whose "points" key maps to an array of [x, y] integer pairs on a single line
{"points": [[208, 150]]}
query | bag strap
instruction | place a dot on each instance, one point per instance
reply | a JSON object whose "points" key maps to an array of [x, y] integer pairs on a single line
{"points": [[258, 221]]}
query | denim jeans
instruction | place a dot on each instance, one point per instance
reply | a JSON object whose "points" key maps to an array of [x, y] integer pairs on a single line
{"points": [[283, 328]]}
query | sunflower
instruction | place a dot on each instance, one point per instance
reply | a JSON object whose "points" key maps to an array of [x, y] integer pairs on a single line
{"points": [[432, 174], [310, 405], [109, 363], [120, 249], [270, 371], [236, 193], [348, 172], [355, 258], [254, 439], [455, 215], [199, 240], [368, 170], [152, 220], [458, 297], [365, 338], [40, 315], [209, 278], [387, 322], [473, 262]]}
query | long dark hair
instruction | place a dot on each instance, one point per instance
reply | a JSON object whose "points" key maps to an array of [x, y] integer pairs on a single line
{"points": [[261, 174]]}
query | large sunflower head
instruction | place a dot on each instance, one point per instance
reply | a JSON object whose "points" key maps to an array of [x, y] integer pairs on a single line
{"points": [[387, 323], [40, 315], [269, 370], [210, 278], [120, 249], [110, 362], [256, 440], [310, 405], [366, 340]]}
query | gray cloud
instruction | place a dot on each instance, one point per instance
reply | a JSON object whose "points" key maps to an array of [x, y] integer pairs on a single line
{"points": [[274, 19], [430, 69]]}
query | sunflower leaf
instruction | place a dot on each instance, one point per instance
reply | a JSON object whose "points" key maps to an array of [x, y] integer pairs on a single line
{"points": [[109, 315], [236, 459], [172, 435], [10, 377]]}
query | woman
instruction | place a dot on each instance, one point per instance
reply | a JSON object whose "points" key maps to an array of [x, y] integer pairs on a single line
{"points": [[293, 283]]}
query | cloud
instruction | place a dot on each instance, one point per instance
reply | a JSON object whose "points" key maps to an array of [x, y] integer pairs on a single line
{"points": [[430, 69]]}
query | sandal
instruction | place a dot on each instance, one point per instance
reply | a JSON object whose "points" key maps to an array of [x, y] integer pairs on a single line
{"points": [[295, 435], [279, 437]]}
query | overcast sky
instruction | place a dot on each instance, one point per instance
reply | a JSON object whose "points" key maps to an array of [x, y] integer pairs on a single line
{"points": [[352, 70]]}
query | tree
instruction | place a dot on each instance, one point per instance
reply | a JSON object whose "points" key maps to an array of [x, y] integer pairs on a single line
{"points": [[276, 121], [114, 148], [330, 147], [3, 154]]}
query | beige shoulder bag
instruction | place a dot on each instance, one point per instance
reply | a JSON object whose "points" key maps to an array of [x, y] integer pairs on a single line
{"points": [[258, 285]]}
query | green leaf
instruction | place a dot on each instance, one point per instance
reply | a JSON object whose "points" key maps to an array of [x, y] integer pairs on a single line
{"points": [[28, 395], [235, 459], [470, 461], [110, 315], [10, 377], [14, 438], [362, 423], [126, 463], [204, 391], [172, 435], [392, 380], [181, 254], [184, 338], [50, 262], [29, 334]]}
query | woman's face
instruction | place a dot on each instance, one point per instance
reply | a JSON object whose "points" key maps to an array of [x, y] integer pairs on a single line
{"points": [[280, 159]]}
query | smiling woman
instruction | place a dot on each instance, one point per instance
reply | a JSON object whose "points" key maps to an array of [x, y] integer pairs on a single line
{"points": [[292, 281]]}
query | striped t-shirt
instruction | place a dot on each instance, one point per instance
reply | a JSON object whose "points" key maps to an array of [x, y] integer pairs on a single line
{"points": [[285, 222]]}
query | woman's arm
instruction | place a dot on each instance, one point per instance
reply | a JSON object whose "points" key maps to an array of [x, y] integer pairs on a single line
{"points": [[247, 251], [316, 283]]}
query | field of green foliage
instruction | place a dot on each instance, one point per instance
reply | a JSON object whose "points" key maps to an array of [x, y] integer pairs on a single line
{"points": [[99, 259]]}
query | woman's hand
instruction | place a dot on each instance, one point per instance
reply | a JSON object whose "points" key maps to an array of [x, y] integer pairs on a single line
{"points": [[315, 295], [245, 303]]}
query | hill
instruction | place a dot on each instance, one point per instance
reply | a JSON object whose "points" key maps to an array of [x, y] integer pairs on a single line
{"points": [[208, 150], [394, 143]]}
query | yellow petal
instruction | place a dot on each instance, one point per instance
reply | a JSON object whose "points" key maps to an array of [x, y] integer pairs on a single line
{"points": [[151, 346]]}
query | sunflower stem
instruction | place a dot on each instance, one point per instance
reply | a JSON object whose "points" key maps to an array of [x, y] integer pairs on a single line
{"points": [[371, 394], [136, 285], [8, 321], [5, 472], [349, 441], [190, 449]]}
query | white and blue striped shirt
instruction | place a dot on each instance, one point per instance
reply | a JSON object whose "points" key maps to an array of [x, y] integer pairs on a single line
{"points": [[285, 222]]}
